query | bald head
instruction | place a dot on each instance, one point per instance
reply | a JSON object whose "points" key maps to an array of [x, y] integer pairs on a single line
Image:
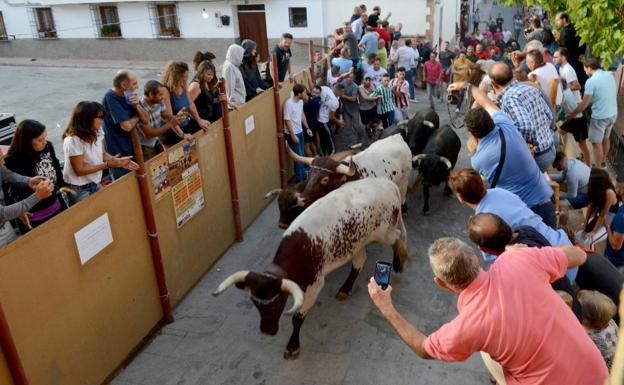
{"points": [[124, 79], [490, 232], [501, 74]]}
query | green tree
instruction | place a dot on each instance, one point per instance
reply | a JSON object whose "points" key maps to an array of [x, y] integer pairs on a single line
{"points": [[599, 23]]}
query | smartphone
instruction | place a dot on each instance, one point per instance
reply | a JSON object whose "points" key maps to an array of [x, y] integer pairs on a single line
{"points": [[382, 274]]}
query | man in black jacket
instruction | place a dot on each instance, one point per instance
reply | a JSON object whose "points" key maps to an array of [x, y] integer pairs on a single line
{"points": [[569, 39]]}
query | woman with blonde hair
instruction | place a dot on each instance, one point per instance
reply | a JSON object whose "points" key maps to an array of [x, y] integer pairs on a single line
{"points": [[177, 98]]}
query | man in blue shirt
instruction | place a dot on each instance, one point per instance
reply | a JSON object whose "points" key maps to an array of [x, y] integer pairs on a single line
{"points": [[343, 62], [519, 173], [470, 190], [122, 116], [615, 231], [368, 44], [601, 93], [576, 175]]}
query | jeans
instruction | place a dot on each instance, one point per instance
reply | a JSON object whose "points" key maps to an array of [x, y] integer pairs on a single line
{"points": [[327, 139], [352, 121], [7, 234], [431, 89], [117, 173], [546, 210], [409, 78], [300, 169], [82, 192], [545, 160]]}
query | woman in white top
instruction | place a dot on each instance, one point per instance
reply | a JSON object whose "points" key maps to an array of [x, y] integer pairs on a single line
{"points": [[85, 155]]}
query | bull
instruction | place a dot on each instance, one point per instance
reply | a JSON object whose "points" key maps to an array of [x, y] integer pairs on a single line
{"points": [[388, 158], [334, 231], [417, 130], [438, 158], [287, 198]]}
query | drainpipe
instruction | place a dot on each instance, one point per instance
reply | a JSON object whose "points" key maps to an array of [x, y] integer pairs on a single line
{"points": [[280, 122], [152, 232], [311, 57], [227, 134], [10, 352]]}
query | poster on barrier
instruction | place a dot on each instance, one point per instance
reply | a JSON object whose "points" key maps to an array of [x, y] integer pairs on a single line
{"points": [[159, 171], [185, 178]]}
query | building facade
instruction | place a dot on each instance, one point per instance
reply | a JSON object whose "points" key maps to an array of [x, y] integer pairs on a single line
{"points": [[150, 30]]}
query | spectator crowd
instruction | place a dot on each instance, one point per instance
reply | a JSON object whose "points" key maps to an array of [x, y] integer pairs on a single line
{"points": [[550, 289]]}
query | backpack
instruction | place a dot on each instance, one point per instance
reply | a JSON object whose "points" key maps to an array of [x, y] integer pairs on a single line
{"points": [[266, 73]]}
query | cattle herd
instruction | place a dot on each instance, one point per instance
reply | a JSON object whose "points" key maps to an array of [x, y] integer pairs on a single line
{"points": [[348, 201]]}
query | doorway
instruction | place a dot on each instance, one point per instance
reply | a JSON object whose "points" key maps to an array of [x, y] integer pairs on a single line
{"points": [[252, 25]]}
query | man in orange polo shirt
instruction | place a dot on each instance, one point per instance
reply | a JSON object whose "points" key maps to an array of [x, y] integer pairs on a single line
{"points": [[509, 312]]}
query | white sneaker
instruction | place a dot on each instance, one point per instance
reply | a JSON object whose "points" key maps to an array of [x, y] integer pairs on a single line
{"points": [[457, 110]]}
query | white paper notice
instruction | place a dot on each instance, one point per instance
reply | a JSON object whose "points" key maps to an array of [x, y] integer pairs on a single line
{"points": [[93, 238], [249, 125]]}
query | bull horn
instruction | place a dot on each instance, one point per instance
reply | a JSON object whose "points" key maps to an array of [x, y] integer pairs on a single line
{"points": [[428, 123], [355, 146], [346, 170], [298, 158], [447, 162], [419, 157], [273, 193], [237, 277], [293, 289]]}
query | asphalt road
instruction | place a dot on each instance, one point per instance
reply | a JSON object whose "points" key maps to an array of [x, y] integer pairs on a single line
{"points": [[217, 340]]}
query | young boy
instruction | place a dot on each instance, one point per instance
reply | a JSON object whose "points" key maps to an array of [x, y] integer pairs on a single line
{"points": [[576, 175], [400, 95], [385, 108], [433, 72], [368, 105], [598, 313], [149, 131]]}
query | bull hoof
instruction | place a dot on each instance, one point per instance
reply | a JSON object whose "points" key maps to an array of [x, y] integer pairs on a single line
{"points": [[341, 296], [291, 355]]}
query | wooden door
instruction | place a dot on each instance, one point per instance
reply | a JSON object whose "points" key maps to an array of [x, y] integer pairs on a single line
{"points": [[252, 25]]}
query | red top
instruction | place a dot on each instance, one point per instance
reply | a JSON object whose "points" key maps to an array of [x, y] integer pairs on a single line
{"points": [[433, 68], [483, 55], [383, 34], [512, 313]]}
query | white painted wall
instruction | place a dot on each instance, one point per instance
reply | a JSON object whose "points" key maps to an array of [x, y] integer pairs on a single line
{"points": [[193, 25], [73, 21], [450, 16], [410, 13], [278, 20], [16, 20], [134, 20]]}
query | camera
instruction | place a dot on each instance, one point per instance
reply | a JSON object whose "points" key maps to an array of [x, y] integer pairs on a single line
{"points": [[453, 97], [528, 30]]}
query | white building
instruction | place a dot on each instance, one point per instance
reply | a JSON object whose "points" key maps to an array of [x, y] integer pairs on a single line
{"points": [[151, 30]]}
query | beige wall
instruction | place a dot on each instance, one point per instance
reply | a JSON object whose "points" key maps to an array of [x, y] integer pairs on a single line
{"points": [[73, 323]]}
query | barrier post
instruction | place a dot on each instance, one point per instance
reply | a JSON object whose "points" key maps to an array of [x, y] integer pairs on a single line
{"points": [[279, 122], [10, 352], [311, 56], [152, 232], [227, 134]]}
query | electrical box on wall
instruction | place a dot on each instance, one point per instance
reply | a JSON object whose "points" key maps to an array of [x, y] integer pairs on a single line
{"points": [[225, 20]]}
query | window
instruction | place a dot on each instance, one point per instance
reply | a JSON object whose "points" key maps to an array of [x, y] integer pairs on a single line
{"points": [[167, 20], [298, 17], [3, 31], [45, 23], [109, 21]]}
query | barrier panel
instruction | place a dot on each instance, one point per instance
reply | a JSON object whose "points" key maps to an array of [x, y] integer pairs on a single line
{"points": [[74, 323], [5, 374], [189, 251]]}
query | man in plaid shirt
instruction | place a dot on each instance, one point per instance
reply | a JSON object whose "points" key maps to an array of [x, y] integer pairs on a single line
{"points": [[530, 112]]}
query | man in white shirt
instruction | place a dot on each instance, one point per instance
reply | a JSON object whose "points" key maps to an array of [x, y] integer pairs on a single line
{"points": [[376, 73], [544, 73], [294, 122], [358, 26], [407, 57], [330, 101], [506, 35], [567, 72]]}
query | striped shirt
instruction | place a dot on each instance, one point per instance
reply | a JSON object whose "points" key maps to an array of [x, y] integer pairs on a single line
{"points": [[385, 103], [402, 88]]}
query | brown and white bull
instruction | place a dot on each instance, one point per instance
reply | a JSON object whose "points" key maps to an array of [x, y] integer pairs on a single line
{"points": [[388, 158], [333, 231]]}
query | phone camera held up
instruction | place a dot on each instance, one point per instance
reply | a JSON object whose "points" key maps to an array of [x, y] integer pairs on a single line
{"points": [[382, 274]]}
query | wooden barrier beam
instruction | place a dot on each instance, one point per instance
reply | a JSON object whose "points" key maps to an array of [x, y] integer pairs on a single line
{"points": [[230, 163], [10, 352], [279, 122], [152, 231]]}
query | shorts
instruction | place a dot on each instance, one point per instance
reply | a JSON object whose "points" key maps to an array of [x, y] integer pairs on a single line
{"points": [[599, 129], [307, 138], [579, 201], [368, 116], [577, 127]]}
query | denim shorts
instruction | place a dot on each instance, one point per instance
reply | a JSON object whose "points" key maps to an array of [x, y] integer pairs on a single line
{"points": [[600, 129], [82, 192], [579, 201]]}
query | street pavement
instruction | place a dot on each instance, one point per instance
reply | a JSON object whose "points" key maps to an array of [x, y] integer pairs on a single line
{"points": [[217, 340]]}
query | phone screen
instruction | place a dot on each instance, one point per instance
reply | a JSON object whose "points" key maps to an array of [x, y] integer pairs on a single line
{"points": [[382, 274]]}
